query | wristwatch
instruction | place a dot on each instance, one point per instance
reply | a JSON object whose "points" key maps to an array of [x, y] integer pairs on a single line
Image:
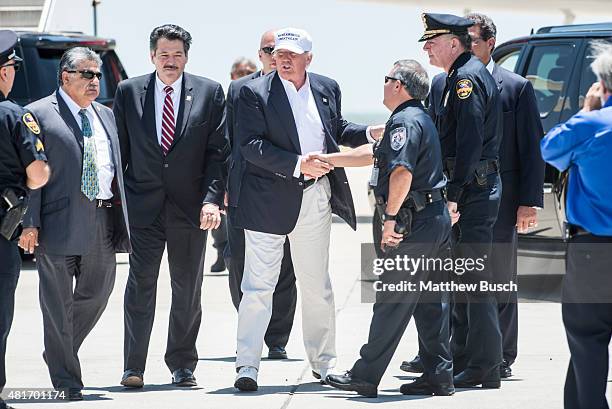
{"points": [[388, 217]]}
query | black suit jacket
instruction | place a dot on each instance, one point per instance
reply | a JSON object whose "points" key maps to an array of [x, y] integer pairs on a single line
{"points": [[237, 162], [521, 162], [270, 197], [195, 169]]}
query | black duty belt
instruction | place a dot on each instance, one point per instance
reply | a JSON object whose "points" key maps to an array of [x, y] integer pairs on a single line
{"points": [[418, 200], [103, 203], [485, 166]]}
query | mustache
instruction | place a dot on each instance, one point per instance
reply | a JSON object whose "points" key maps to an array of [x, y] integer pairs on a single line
{"points": [[171, 67]]}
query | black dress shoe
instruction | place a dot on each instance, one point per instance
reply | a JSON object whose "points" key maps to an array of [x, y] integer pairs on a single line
{"points": [[504, 370], [132, 378], [415, 366], [471, 378], [3, 405], [422, 387], [219, 265], [183, 377], [277, 352], [73, 395], [348, 382]]}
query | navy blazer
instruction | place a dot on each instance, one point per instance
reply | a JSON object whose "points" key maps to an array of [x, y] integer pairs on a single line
{"points": [[270, 197], [195, 169], [237, 162]]}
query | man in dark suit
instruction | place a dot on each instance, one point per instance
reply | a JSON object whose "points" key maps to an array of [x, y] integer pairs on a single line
{"points": [[171, 130], [79, 220], [522, 175], [285, 293], [284, 117]]}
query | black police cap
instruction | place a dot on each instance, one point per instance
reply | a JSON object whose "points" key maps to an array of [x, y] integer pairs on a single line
{"points": [[439, 24], [8, 41]]}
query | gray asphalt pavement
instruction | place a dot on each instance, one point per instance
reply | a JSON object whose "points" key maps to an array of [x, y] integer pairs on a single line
{"points": [[539, 371]]}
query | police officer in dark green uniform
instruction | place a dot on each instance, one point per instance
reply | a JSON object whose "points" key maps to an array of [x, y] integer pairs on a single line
{"points": [[408, 182], [22, 166], [469, 121]]}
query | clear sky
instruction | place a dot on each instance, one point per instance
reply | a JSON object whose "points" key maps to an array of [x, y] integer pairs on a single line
{"points": [[354, 42]]}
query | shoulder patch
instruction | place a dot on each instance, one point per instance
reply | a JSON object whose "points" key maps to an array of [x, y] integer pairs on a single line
{"points": [[464, 88], [30, 122], [398, 138]]}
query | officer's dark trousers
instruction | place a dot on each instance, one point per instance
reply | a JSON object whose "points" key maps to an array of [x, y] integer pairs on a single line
{"points": [[9, 274], [476, 338], [285, 293], [73, 292], [392, 311], [587, 316], [185, 243]]}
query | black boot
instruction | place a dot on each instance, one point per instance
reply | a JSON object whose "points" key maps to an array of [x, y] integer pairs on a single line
{"points": [[219, 265]]}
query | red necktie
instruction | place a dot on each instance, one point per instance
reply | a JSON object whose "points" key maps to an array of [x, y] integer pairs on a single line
{"points": [[167, 121]]}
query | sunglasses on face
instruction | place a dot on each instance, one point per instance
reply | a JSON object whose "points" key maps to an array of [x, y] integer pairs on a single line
{"points": [[387, 79], [268, 50], [15, 65], [87, 74]]}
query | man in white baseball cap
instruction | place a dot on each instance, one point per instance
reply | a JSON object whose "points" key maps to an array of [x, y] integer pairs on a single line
{"points": [[286, 117]]}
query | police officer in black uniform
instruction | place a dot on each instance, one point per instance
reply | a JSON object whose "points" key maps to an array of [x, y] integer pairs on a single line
{"points": [[22, 166], [469, 121], [408, 182]]}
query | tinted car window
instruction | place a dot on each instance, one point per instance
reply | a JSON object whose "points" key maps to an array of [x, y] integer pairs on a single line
{"points": [[587, 77], [508, 61], [548, 70]]}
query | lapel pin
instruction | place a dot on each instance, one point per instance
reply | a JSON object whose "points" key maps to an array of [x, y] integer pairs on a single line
{"points": [[325, 101], [188, 98]]}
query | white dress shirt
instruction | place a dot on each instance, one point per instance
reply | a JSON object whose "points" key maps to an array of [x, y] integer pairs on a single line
{"points": [[490, 66], [307, 120], [160, 97], [104, 162]]}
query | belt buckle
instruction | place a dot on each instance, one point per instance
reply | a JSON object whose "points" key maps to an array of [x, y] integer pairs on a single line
{"points": [[98, 202]]}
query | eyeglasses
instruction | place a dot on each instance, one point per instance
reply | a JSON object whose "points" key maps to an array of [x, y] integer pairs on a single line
{"points": [[387, 79], [87, 74], [267, 50], [15, 65]]}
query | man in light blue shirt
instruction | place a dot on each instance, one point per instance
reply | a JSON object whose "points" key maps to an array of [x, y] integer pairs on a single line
{"points": [[584, 146]]}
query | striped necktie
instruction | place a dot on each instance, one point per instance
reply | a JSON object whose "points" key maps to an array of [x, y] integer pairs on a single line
{"points": [[167, 128], [89, 175]]}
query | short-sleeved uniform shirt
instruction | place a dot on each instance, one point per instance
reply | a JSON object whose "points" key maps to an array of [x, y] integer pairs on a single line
{"points": [[469, 120], [20, 144], [410, 140]]}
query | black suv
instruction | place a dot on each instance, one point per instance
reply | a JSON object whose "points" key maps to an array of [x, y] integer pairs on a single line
{"points": [[41, 53], [557, 62]]}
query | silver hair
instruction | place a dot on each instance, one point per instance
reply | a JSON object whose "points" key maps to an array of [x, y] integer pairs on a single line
{"points": [[73, 57], [602, 64], [413, 77], [243, 60]]}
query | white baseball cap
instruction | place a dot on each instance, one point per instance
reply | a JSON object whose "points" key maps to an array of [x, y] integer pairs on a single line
{"points": [[292, 39]]}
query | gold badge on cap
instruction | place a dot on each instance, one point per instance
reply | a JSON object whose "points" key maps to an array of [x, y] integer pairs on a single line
{"points": [[30, 122], [464, 89], [39, 145]]}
